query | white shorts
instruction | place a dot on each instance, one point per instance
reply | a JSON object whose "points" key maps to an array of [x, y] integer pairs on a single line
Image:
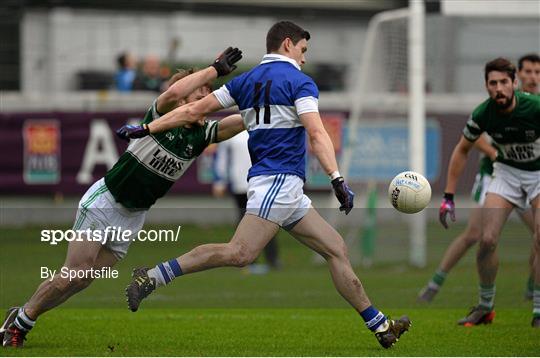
{"points": [[517, 186], [98, 210], [278, 198]]}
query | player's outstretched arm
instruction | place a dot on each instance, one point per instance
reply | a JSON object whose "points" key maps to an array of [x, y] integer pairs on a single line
{"points": [[169, 100], [483, 145], [455, 168], [223, 65], [324, 151], [191, 113], [229, 127]]}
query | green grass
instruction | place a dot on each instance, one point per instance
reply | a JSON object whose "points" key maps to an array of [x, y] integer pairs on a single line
{"points": [[295, 311], [269, 332]]}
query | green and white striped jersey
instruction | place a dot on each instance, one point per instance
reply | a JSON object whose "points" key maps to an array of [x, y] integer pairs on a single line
{"points": [[151, 165], [515, 135]]}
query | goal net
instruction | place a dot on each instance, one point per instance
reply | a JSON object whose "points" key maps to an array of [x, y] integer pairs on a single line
{"points": [[396, 125]]}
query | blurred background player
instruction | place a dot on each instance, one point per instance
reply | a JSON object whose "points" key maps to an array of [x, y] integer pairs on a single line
{"points": [[529, 78], [515, 177], [529, 73], [150, 77], [122, 198], [231, 166], [127, 70], [279, 105]]}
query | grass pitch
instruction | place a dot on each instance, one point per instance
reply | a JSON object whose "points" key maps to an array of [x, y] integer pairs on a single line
{"points": [[292, 312]]}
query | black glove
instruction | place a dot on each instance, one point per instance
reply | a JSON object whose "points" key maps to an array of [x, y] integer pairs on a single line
{"points": [[129, 131], [344, 194], [225, 62]]}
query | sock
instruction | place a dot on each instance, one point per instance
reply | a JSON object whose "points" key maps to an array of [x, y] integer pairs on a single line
{"points": [[375, 320], [437, 280], [165, 272], [487, 296], [23, 322], [536, 301]]}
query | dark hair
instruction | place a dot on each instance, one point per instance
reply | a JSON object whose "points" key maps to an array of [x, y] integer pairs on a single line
{"points": [[500, 64], [531, 57], [280, 31], [121, 60]]}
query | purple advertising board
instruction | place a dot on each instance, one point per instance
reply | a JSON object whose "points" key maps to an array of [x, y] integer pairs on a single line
{"points": [[65, 152], [61, 152]]}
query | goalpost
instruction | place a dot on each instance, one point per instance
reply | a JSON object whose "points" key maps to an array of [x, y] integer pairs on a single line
{"points": [[390, 84]]}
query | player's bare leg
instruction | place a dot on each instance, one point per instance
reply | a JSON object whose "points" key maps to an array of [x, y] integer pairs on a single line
{"points": [[457, 249], [314, 232], [496, 212], [250, 238], [464, 242], [528, 219], [81, 255], [252, 235], [536, 292]]}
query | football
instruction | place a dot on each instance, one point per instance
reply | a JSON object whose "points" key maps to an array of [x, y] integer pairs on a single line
{"points": [[409, 192]]}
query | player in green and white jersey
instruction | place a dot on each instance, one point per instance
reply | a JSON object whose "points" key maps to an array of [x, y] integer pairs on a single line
{"points": [[529, 78], [120, 200], [512, 119]]}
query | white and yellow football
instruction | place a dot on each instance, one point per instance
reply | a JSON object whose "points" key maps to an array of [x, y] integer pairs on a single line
{"points": [[409, 192]]}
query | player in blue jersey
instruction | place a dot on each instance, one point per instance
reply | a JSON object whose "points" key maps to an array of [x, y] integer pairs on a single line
{"points": [[279, 105]]}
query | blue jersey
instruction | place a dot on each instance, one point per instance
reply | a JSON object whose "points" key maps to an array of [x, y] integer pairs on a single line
{"points": [[270, 98]]}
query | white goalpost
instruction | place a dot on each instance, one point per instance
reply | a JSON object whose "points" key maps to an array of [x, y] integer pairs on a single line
{"points": [[388, 85]]}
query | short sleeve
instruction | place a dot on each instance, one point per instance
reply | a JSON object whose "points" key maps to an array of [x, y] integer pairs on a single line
{"points": [[472, 129], [210, 132], [224, 97], [306, 97], [307, 88], [306, 105]]}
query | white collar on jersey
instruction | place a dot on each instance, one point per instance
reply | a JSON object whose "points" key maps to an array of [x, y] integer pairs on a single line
{"points": [[272, 57]]}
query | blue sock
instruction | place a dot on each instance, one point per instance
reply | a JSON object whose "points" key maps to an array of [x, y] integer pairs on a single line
{"points": [[165, 272], [373, 318]]}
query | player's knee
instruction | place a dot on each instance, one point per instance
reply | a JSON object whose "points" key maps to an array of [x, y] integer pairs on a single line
{"points": [[338, 250], [79, 277], [240, 256], [488, 243]]}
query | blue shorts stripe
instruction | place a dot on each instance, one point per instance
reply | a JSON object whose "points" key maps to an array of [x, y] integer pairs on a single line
{"points": [[266, 196], [164, 273], [272, 194], [282, 180]]}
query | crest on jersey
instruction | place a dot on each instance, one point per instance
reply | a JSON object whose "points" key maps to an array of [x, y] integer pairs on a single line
{"points": [[189, 150], [530, 134]]}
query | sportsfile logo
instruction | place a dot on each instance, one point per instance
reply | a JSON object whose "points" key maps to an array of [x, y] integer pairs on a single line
{"points": [[109, 234]]}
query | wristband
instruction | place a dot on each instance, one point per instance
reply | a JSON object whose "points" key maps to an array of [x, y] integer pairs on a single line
{"points": [[449, 196], [334, 175]]}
